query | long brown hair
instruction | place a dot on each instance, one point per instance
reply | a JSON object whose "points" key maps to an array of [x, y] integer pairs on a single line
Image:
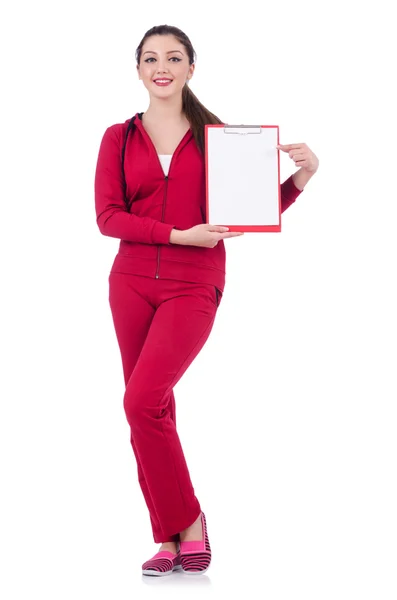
{"points": [[195, 112]]}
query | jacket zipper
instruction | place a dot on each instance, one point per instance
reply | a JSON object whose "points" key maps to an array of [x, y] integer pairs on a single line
{"points": [[162, 218], [157, 276]]}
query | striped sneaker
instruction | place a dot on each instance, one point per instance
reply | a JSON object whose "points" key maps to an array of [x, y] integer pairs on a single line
{"points": [[196, 555], [162, 563]]}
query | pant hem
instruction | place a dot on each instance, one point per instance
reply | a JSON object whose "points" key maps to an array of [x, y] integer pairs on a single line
{"points": [[173, 532]]}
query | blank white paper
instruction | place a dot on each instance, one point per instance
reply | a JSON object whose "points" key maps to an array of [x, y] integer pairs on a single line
{"points": [[242, 171]]}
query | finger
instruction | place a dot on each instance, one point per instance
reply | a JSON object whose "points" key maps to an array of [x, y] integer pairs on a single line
{"points": [[288, 147], [232, 234], [218, 228]]}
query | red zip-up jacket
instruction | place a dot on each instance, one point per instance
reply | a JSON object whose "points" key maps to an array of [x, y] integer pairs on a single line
{"points": [[155, 203]]}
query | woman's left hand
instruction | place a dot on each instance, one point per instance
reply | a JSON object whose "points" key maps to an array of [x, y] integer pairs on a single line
{"points": [[301, 155]]}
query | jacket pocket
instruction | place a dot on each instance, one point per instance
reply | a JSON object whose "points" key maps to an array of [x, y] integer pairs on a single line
{"points": [[218, 295]]}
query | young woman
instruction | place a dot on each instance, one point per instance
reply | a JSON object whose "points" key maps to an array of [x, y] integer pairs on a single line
{"points": [[166, 281]]}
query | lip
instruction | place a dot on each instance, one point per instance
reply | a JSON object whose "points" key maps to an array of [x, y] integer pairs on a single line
{"points": [[168, 82]]}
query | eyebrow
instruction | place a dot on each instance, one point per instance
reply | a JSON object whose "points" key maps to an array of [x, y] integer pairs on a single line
{"points": [[169, 52]]}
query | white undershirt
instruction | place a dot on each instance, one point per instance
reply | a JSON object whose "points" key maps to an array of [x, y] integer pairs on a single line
{"points": [[165, 160]]}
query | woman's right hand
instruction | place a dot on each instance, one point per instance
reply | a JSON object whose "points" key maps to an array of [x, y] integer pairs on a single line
{"points": [[204, 235]]}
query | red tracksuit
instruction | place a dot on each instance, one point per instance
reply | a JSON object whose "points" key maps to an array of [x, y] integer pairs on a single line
{"points": [[163, 298]]}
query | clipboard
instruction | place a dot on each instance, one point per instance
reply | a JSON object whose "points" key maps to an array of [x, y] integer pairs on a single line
{"points": [[242, 172]]}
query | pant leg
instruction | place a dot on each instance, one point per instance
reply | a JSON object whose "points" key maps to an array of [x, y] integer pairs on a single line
{"points": [[132, 315], [179, 329]]}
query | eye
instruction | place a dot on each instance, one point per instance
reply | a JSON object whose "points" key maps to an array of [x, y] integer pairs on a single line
{"points": [[172, 57]]}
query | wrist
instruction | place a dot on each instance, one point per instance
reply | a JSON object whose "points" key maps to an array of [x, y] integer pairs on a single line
{"points": [[177, 236]]}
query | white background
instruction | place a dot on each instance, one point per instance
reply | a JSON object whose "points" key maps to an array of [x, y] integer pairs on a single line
{"points": [[288, 415]]}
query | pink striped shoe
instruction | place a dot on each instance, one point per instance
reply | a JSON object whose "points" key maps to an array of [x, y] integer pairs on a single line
{"points": [[162, 563], [196, 555]]}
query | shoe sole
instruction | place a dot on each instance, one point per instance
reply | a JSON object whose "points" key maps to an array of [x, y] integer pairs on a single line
{"points": [[153, 573], [195, 572]]}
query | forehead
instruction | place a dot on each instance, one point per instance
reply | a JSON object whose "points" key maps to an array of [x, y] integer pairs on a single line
{"points": [[162, 43]]}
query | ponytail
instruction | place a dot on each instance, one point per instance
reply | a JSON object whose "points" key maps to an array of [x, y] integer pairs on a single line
{"points": [[197, 115]]}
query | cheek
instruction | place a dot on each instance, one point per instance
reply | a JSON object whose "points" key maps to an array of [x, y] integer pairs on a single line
{"points": [[146, 68], [146, 75], [145, 71]]}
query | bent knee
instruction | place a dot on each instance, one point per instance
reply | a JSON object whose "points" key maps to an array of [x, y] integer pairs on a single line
{"points": [[141, 406]]}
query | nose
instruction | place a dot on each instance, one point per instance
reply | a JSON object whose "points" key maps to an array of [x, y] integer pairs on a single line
{"points": [[161, 67]]}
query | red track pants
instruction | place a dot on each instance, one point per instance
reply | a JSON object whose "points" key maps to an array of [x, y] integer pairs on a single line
{"points": [[161, 325]]}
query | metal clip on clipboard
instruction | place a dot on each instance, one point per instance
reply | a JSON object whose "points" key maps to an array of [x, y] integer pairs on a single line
{"points": [[242, 126]]}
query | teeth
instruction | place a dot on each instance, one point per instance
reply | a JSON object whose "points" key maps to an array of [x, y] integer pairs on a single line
{"points": [[162, 80]]}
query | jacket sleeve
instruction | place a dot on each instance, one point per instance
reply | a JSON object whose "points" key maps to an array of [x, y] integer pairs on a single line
{"points": [[289, 193], [112, 216]]}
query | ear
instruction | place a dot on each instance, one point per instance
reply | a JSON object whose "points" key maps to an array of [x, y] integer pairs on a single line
{"points": [[137, 68], [191, 71]]}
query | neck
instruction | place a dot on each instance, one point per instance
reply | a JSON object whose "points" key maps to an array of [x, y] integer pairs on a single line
{"points": [[161, 110]]}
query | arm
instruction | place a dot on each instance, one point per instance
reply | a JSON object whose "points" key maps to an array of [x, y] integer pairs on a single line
{"points": [[112, 216], [301, 177], [289, 192]]}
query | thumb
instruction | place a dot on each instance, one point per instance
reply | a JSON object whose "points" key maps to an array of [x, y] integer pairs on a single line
{"points": [[218, 228]]}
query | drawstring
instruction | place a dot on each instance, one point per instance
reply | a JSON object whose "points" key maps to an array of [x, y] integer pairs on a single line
{"points": [[130, 124]]}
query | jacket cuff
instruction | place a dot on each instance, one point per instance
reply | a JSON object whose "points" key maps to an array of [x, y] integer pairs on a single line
{"points": [[290, 190], [161, 233]]}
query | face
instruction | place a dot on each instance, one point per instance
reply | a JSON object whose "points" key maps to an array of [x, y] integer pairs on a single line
{"points": [[163, 57]]}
